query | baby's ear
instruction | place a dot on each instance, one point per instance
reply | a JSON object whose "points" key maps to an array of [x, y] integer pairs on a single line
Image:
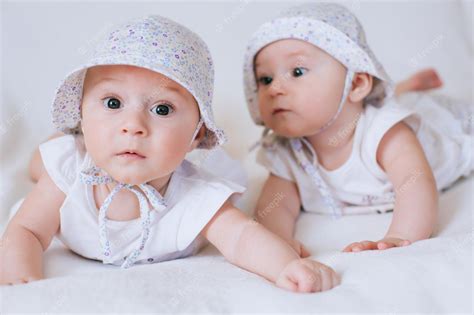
{"points": [[361, 86], [199, 137]]}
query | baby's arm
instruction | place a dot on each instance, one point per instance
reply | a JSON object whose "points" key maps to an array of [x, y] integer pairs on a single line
{"points": [[416, 198], [29, 233], [278, 208], [247, 244]]}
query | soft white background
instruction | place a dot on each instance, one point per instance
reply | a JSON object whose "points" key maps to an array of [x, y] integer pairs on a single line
{"points": [[42, 41]]}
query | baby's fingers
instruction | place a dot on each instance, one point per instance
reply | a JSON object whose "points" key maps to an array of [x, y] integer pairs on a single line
{"points": [[286, 283], [23, 280], [386, 244], [304, 252], [308, 280], [360, 246], [329, 278], [349, 247]]}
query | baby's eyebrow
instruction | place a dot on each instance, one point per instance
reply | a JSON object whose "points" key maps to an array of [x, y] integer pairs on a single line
{"points": [[295, 53], [292, 54], [172, 88], [167, 90], [298, 54], [105, 79]]}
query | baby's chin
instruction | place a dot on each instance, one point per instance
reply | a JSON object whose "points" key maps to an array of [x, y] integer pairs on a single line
{"points": [[131, 179], [136, 172], [289, 131], [134, 177]]}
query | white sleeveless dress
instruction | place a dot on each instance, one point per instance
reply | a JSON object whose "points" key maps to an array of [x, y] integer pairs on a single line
{"points": [[442, 125], [193, 197]]}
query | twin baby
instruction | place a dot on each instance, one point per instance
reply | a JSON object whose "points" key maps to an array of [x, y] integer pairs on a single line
{"points": [[339, 139]]}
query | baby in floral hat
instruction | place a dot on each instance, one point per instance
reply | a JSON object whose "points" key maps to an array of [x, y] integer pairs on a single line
{"points": [[337, 140], [117, 187]]}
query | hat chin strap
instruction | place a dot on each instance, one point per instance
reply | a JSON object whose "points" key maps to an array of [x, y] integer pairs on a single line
{"points": [[93, 176], [198, 127], [309, 166], [345, 93]]}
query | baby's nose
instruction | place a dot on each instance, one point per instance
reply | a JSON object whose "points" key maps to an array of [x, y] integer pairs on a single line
{"points": [[133, 131], [277, 87], [134, 125]]}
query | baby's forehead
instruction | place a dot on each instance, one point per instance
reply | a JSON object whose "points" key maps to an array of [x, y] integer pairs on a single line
{"points": [[287, 48], [97, 75]]}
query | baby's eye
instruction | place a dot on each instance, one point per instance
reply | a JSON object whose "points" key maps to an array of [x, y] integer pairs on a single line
{"points": [[298, 71], [162, 109], [111, 103], [265, 80]]}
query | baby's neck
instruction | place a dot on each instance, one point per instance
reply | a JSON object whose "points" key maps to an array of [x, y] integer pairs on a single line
{"points": [[334, 145], [160, 184]]}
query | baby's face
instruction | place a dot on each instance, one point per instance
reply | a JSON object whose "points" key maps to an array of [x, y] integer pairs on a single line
{"points": [[135, 110], [299, 87]]}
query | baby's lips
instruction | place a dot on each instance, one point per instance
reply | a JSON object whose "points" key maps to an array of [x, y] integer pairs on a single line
{"points": [[279, 110], [135, 152]]}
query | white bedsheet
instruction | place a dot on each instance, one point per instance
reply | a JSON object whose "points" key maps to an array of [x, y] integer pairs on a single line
{"points": [[434, 275]]}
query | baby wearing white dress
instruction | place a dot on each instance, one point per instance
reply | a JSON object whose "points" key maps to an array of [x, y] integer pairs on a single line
{"points": [[117, 187], [337, 139]]}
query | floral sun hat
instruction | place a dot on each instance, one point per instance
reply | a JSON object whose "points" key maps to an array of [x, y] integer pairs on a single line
{"points": [[155, 43], [334, 29], [330, 27]]}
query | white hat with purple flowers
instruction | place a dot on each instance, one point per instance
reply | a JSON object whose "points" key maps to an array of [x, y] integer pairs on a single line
{"points": [[155, 43], [332, 28]]}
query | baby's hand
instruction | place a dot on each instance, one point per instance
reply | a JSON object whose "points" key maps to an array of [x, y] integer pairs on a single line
{"points": [[385, 243], [299, 248], [18, 279], [17, 273], [305, 275], [17, 266]]}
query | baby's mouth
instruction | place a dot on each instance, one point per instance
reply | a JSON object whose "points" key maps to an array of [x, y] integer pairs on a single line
{"points": [[279, 111], [130, 154]]}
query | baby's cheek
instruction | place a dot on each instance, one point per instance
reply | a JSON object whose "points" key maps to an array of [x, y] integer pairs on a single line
{"points": [[168, 153], [95, 148], [266, 117]]}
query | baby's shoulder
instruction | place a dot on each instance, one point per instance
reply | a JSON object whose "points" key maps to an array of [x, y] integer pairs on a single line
{"points": [[198, 179], [377, 121], [391, 109], [62, 158], [275, 154], [195, 195]]}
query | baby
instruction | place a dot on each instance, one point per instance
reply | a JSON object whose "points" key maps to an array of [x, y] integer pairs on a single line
{"points": [[117, 187], [337, 140]]}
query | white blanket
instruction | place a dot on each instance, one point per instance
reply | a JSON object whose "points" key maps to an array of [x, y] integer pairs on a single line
{"points": [[434, 275]]}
